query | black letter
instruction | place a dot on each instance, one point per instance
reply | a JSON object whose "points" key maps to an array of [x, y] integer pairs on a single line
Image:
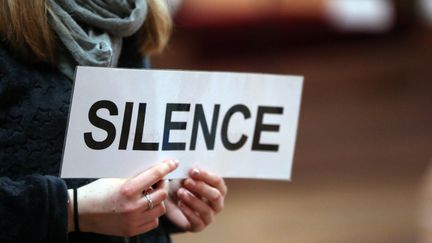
{"points": [[224, 131], [126, 126], [138, 144], [209, 136], [166, 145], [259, 127], [102, 124]]}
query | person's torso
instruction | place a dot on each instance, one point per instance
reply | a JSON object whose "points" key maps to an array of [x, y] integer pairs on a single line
{"points": [[34, 106]]}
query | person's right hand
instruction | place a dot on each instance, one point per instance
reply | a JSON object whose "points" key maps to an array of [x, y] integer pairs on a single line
{"points": [[119, 207]]}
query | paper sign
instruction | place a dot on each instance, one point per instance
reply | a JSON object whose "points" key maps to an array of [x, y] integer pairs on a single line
{"points": [[123, 121]]}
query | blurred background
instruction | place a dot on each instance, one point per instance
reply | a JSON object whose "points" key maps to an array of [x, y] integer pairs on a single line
{"points": [[364, 142]]}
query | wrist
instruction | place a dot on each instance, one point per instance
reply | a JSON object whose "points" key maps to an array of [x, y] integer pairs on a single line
{"points": [[71, 226], [80, 217], [83, 214]]}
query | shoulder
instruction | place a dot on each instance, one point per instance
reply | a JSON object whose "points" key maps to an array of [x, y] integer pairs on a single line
{"points": [[15, 72]]}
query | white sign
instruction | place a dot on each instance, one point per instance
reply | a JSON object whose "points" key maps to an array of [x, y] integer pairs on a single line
{"points": [[122, 121]]}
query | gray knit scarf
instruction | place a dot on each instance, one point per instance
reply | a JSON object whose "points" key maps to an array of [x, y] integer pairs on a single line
{"points": [[92, 30]]}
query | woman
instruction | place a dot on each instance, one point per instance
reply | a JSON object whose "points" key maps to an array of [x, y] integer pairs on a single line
{"points": [[41, 43]]}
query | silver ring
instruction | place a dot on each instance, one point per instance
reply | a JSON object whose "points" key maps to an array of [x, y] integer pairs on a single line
{"points": [[149, 201]]}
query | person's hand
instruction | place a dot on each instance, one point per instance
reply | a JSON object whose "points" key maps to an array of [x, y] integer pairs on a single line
{"points": [[194, 202], [119, 206]]}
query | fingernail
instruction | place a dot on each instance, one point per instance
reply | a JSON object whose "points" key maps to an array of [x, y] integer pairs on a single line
{"points": [[188, 193], [182, 192], [174, 162], [189, 182], [185, 193], [180, 204], [195, 172]]}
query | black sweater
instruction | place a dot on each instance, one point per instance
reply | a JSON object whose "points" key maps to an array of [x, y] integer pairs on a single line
{"points": [[34, 103]]}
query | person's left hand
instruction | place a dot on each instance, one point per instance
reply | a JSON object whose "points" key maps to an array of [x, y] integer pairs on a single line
{"points": [[194, 202]]}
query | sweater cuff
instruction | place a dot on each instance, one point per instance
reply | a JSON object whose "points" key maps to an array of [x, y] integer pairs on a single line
{"points": [[58, 213]]}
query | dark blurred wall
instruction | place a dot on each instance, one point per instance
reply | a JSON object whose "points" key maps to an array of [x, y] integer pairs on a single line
{"points": [[364, 139]]}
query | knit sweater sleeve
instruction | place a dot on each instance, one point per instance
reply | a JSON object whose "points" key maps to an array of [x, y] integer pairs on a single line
{"points": [[33, 209]]}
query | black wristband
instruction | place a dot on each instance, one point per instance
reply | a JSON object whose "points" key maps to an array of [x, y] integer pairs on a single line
{"points": [[75, 206]]}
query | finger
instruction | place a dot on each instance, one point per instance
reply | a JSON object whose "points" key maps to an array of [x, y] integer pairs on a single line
{"points": [[163, 185], [157, 196], [147, 226], [197, 205], [140, 228], [174, 185], [210, 178], [149, 215], [148, 177], [204, 190], [196, 223], [176, 215]]}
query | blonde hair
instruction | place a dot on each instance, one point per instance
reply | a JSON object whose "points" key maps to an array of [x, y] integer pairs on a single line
{"points": [[24, 26]]}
